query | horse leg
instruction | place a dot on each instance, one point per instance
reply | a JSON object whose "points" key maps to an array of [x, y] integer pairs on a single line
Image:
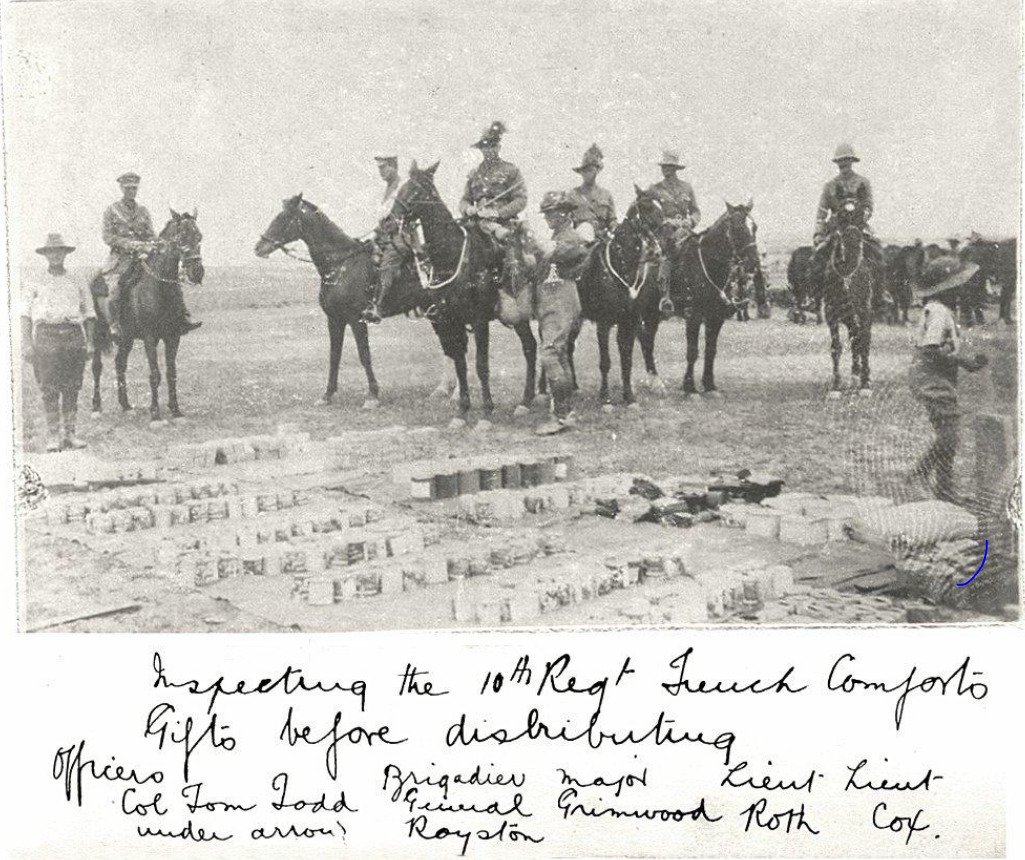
{"points": [[482, 342], [336, 331], [150, 343], [646, 335], [693, 332], [818, 311], [120, 368], [171, 366], [712, 329], [97, 365], [362, 335], [836, 350], [626, 333], [865, 346], [570, 348], [604, 363], [529, 344]]}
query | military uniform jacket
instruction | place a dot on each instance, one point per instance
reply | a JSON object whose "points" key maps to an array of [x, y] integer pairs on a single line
{"points": [[123, 228], [837, 189], [677, 199], [567, 254], [594, 206], [492, 179]]}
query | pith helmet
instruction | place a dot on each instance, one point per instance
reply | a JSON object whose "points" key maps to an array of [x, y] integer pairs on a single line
{"points": [[55, 242], [944, 273], [492, 135], [592, 158], [671, 158], [557, 201], [845, 152], [387, 159], [128, 179]]}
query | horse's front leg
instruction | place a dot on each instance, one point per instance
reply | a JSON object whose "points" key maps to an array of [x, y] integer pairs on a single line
{"points": [[171, 364], [336, 332], [604, 363], [865, 347], [836, 350], [693, 333], [482, 344], [362, 335], [646, 333], [626, 334], [97, 365], [570, 349], [150, 343], [124, 348], [712, 329], [529, 344]]}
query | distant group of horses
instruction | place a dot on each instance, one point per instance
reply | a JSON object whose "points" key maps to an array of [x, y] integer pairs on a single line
{"points": [[455, 278]]}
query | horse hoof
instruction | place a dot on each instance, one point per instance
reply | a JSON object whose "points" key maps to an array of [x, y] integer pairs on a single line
{"points": [[521, 410], [323, 401], [864, 392], [95, 413], [483, 426], [714, 394], [655, 384], [371, 403], [833, 395], [179, 419], [457, 424], [157, 423], [633, 407], [439, 393], [607, 407]]}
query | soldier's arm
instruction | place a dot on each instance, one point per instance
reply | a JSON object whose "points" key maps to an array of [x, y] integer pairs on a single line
{"points": [[695, 213], [612, 212], [111, 235], [825, 207], [466, 203], [569, 251], [146, 225], [868, 202], [516, 200]]}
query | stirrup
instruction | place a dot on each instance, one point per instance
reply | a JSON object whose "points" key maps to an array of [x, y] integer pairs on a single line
{"points": [[666, 306], [370, 314]]}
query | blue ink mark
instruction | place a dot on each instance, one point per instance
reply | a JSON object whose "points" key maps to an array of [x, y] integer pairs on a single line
{"points": [[985, 552]]}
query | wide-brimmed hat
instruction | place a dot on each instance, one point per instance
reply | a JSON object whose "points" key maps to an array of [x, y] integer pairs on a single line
{"points": [[393, 160], [55, 242], [844, 152], [592, 158], [128, 179], [492, 135], [942, 274], [671, 158], [557, 201]]}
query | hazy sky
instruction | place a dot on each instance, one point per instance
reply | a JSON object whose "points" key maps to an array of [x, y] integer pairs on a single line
{"points": [[231, 106]]}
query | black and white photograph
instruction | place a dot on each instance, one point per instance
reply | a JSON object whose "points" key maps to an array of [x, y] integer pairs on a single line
{"points": [[346, 318]]}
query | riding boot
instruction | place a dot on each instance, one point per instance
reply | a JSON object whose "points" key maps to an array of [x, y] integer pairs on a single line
{"points": [[51, 406], [70, 442], [665, 303], [372, 312]]}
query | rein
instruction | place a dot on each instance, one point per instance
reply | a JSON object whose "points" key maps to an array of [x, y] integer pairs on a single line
{"points": [[644, 264], [425, 271], [736, 263], [161, 250], [846, 279]]}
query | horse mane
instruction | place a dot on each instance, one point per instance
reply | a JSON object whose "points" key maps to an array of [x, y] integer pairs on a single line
{"points": [[332, 232]]}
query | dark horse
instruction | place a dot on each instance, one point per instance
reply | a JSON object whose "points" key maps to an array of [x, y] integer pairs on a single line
{"points": [[850, 276], [618, 287], [150, 312], [903, 266], [711, 264], [462, 295], [346, 269], [802, 292], [998, 262]]}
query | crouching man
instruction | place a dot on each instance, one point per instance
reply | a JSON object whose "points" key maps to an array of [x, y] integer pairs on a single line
{"points": [[558, 307], [57, 330]]}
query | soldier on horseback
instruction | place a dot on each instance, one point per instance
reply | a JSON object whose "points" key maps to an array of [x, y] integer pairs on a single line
{"points": [[495, 194], [593, 204], [682, 215], [845, 186], [128, 231], [394, 244]]}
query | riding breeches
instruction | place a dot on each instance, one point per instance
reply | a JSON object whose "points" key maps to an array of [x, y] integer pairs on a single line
{"points": [[558, 313]]}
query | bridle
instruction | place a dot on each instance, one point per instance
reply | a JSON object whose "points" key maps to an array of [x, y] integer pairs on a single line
{"points": [[424, 269], [297, 222], [187, 254], [649, 246], [838, 244], [737, 269]]}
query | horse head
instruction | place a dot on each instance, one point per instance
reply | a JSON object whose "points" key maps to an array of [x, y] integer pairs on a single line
{"points": [[182, 234], [418, 194], [287, 226], [742, 233], [850, 221], [646, 209]]}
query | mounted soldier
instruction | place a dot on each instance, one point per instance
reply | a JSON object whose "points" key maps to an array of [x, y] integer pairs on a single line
{"points": [[594, 205], [128, 231], [394, 244], [845, 186], [495, 194], [680, 207]]}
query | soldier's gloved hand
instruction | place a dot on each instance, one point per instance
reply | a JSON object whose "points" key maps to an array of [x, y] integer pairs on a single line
{"points": [[470, 210], [488, 213]]}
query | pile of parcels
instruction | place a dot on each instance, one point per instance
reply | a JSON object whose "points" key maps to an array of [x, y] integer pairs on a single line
{"points": [[432, 480], [220, 452]]}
